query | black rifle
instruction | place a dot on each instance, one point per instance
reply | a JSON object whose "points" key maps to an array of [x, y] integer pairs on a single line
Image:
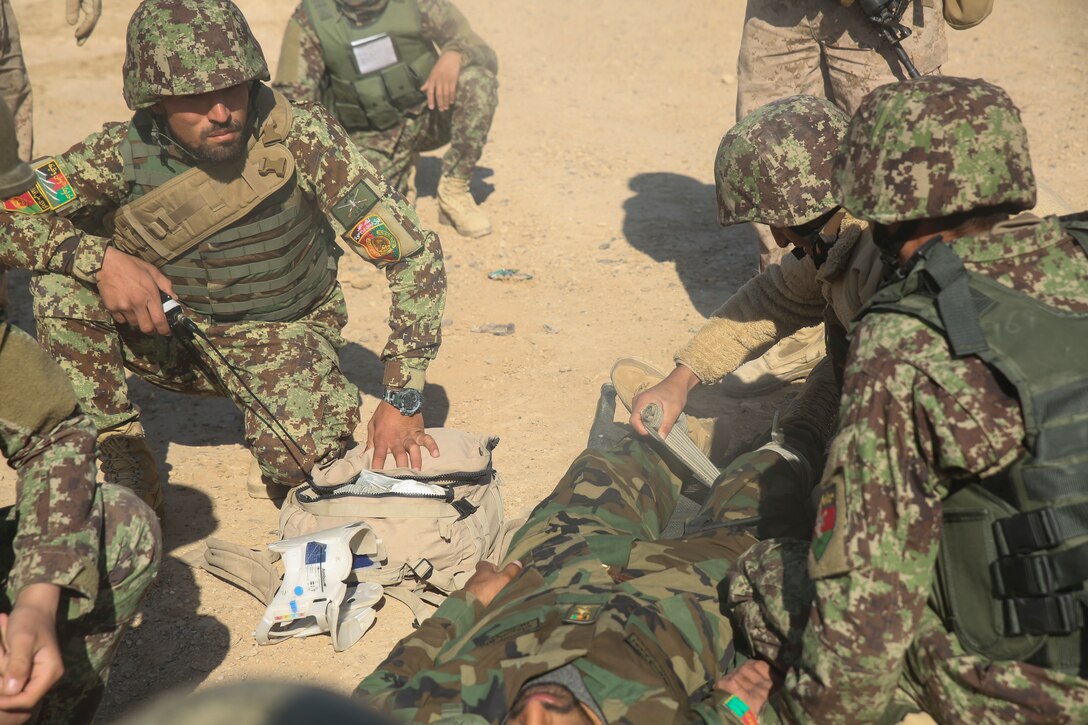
{"points": [[886, 14]]}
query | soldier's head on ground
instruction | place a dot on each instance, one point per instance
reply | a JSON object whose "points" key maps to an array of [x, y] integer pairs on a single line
{"points": [[549, 703], [774, 167], [192, 62], [937, 154]]}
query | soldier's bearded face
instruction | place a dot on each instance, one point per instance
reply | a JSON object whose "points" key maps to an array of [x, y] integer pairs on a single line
{"points": [[548, 704], [211, 126]]}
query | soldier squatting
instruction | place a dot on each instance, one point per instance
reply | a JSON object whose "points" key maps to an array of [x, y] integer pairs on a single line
{"points": [[915, 547]]}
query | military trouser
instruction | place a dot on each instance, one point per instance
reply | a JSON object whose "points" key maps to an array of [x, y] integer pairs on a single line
{"points": [[464, 127], [292, 367], [620, 500], [129, 554], [821, 48], [14, 81]]}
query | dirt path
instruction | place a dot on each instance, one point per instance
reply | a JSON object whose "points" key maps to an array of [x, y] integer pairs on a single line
{"points": [[598, 180]]}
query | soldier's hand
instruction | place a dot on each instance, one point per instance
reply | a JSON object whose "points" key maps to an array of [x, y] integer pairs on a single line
{"points": [[489, 581], [753, 682], [402, 436], [84, 15], [129, 288], [30, 657], [441, 84], [671, 394]]}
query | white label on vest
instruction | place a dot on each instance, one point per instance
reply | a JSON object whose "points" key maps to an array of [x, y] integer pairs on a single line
{"points": [[373, 53]]}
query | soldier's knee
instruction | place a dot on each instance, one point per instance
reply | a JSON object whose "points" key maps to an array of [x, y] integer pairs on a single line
{"points": [[132, 543], [479, 83]]}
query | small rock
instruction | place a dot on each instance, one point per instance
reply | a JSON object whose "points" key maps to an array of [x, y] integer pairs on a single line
{"points": [[360, 283], [447, 322], [729, 79], [564, 368], [606, 245], [550, 330], [495, 328]]}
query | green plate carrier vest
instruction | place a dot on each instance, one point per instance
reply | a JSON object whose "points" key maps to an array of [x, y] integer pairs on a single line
{"points": [[377, 100], [273, 264], [1013, 563]]}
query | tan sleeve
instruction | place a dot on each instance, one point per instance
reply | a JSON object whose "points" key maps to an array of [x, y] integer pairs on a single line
{"points": [[769, 307]]}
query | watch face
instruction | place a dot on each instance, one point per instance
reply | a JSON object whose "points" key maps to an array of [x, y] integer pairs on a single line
{"points": [[407, 401]]}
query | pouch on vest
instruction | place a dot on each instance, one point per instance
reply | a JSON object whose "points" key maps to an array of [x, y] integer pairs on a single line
{"points": [[173, 218], [435, 524], [964, 14]]}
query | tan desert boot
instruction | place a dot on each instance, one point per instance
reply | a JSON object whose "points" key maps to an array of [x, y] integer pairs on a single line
{"points": [[631, 376], [457, 207], [124, 459], [791, 358]]}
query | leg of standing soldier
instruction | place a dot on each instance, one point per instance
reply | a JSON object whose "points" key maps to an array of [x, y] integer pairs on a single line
{"points": [[293, 368], [89, 633], [15, 82], [858, 60]]}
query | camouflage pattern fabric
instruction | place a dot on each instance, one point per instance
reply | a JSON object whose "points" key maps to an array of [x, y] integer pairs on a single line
{"points": [[329, 170], [301, 73], [637, 616], [826, 49], [774, 166], [15, 82], [916, 423], [210, 47], [99, 544], [908, 155], [292, 367]]}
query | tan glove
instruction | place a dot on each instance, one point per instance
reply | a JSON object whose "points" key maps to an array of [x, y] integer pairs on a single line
{"points": [[84, 15]]}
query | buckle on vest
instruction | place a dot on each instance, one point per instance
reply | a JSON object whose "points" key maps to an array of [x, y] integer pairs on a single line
{"points": [[161, 225], [1023, 576], [1027, 532], [273, 166], [1058, 615]]}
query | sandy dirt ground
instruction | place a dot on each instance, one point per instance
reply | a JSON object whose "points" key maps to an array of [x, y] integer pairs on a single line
{"points": [[598, 179]]}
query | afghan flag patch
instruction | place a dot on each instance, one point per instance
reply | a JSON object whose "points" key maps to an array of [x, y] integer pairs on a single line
{"points": [[374, 237], [51, 191], [825, 522]]}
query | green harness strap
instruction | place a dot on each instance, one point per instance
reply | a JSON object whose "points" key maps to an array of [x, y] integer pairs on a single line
{"points": [[1012, 571]]}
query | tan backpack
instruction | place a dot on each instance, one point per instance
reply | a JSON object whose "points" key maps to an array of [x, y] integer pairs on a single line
{"points": [[434, 534]]}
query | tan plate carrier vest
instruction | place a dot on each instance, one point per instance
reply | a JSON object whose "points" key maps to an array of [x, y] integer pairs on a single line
{"points": [[236, 246]]}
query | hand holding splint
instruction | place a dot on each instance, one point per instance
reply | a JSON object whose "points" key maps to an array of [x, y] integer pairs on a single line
{"points": [[402, 436], [671, 395], [441, 84], [84, 15], [30, 660]]}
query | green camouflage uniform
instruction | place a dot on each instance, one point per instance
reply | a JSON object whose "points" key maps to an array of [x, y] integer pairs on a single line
{"points": [[291, 365], [301, 73], [637, 616], [847, 619], [99, 544]]}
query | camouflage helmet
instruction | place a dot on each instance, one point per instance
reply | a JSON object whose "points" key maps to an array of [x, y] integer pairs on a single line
{"points": [[774, 166], [933, 147], [183, 47]]}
